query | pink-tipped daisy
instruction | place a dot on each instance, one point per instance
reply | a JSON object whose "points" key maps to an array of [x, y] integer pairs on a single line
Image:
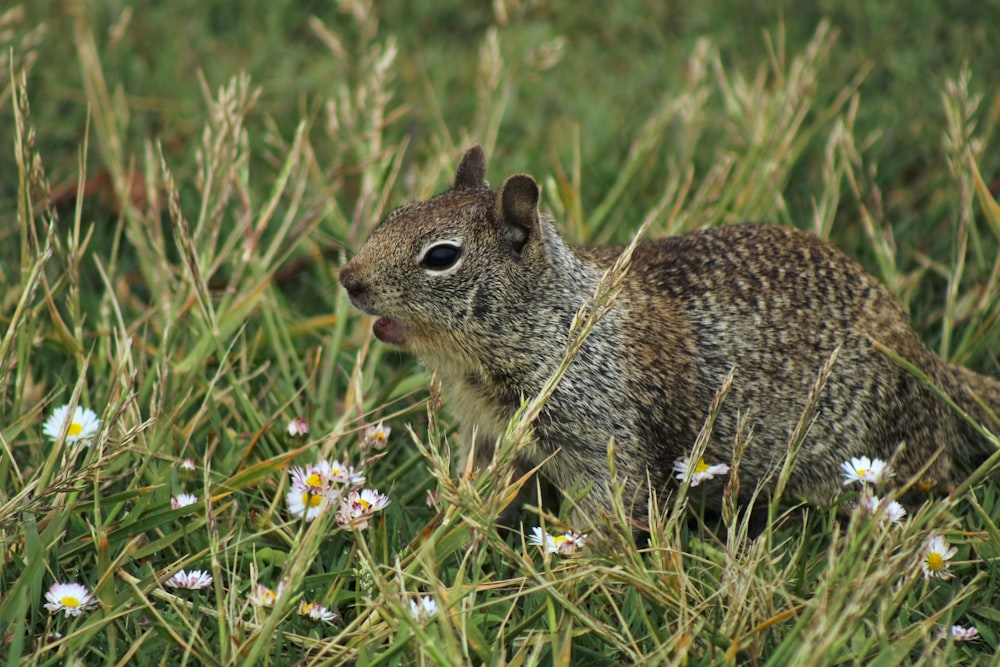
{"points": [[702, 471], [315, 476], [193, 580], [359, 505], [71, 599], [346, 475], [298, 428], [959, 633], [318, 612], [567, 543], [376, 437]]}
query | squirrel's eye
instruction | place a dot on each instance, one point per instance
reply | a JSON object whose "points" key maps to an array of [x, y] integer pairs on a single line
{"points": [[441, 257]]}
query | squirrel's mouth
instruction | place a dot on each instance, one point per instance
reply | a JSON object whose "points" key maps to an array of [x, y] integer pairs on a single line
{"points": [[390, 331]]}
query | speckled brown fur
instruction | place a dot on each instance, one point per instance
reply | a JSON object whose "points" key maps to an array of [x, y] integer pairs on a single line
{"points": [[771, 302]]}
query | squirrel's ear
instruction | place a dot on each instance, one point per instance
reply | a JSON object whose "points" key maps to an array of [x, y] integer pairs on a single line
{"points": [[471, 172], [516, 209]]}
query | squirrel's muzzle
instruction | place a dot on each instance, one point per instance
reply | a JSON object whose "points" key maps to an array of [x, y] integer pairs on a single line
{"points": [[357, 289]]}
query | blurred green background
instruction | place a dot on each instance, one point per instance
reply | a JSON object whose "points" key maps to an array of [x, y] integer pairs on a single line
{"points": [[576, 74]]}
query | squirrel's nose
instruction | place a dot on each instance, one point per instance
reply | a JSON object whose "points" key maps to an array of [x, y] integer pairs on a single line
{"points": [[349, 281]]}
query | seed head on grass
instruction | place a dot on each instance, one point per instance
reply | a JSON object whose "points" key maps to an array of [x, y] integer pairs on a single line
{"points": [[83, 424], [71, 599]]}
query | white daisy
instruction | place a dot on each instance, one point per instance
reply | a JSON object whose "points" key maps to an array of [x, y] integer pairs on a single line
{"points": [[262, 596], [298, 428], [376, 437], [309, 501], [345, 474], [71, 599], [193, 580], [702, 471], [423, 609], [567, 543], [894, 512], [865, 470], [183, 500], [82, 425], [959, 633], [887, 510], [317, 612], [936, 556]]}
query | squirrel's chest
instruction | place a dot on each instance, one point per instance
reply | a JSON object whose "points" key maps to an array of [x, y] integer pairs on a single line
{"points": [[476, 403], [586, 410]]}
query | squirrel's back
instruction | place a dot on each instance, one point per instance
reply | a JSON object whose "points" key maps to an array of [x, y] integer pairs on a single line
{"points": [[483, 289], [775, 303]]}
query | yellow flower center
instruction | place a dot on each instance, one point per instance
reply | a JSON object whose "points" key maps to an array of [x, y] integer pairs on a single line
{"points": [[307, 607], [364, 504], [268, 597], [311, 499], [314, 480], [75, 429], [559, 540], [701, 466], [935, 563], [70, 601], [861, 472]]}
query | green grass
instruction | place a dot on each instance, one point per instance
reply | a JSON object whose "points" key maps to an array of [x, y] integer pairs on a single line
{"points": [[180, 184]]}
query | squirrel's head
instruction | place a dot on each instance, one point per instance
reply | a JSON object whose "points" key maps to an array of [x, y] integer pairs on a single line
{"points": [[441, 273]]}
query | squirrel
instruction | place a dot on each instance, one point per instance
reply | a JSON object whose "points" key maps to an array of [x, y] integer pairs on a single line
{"points": [[480, 286]]}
